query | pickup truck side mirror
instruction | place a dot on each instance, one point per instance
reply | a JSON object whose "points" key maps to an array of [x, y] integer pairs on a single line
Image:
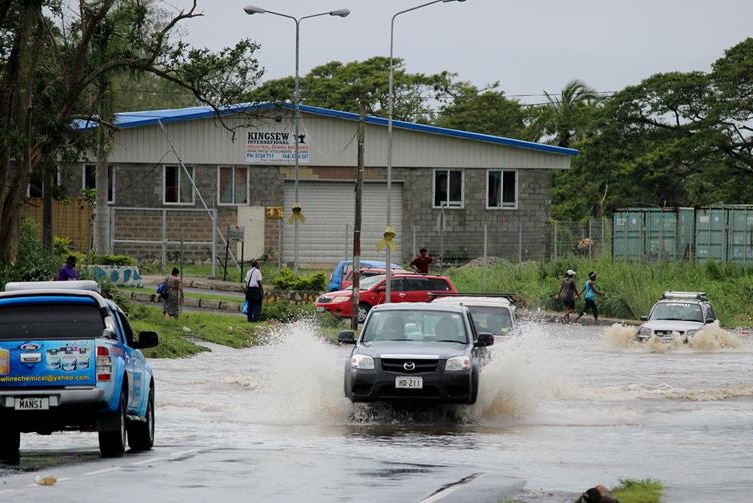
{"points": [[644, 318], [346, 337], [147, 339]]}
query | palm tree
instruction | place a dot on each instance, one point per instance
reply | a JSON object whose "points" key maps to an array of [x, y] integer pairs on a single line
{"points": [[567, 117]]}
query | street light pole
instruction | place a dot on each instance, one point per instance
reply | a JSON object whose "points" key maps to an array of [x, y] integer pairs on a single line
{"points": [[250, 9], [390, 106]]}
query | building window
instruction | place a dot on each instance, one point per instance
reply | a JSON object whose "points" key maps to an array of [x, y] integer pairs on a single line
{"points": [[178, 185], [501, 189], [448, 188], [232, 185], [90, 180], [36, 185]]}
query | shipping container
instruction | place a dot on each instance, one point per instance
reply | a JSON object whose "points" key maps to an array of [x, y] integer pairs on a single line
{"points": [[652, 233], [724, 233]]}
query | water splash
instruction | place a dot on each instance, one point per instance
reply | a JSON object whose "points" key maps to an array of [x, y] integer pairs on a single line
{"points": [[710, 338], [714, 338]]}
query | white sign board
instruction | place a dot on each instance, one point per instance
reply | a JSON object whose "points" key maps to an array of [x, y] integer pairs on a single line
{"points": [[275, 147]]}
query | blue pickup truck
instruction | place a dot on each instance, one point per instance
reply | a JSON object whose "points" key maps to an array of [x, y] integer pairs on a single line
{"points": [[69, 360]]}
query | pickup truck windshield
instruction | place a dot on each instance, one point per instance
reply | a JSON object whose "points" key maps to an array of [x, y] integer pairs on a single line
{"points": [[50, 321]]}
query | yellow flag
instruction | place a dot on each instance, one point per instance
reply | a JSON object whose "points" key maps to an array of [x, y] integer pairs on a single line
{"points": [[297, 214], [387, 240]]}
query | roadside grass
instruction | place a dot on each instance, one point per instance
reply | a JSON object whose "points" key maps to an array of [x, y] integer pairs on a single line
{"points": [[631, 288], [638, 491], [181, 338], [228, 297]]}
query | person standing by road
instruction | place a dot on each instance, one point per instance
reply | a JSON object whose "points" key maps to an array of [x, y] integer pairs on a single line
{"points": [[568, 292], [173, 295], [68, 272], [589, 294], [254, 292], [421, 262]]}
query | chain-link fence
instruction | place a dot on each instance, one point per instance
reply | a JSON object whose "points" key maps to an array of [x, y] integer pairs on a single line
{"points": [[591, 239]]}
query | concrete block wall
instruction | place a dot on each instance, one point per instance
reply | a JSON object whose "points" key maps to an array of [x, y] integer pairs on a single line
{"points": [[510, 232]]}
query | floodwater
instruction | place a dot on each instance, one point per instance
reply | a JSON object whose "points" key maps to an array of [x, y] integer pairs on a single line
{"points": [[561, 408]]}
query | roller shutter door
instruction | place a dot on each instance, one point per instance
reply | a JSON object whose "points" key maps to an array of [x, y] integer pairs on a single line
{"points": [[329, 208]]}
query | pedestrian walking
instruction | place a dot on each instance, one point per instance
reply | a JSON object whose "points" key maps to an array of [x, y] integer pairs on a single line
{"points": [[589, 294], [254, 292], [568, 293], [421, 261], [173, 295]]}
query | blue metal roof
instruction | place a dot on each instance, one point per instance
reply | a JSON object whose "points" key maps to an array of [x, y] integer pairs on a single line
{"points": [[152, 117]]}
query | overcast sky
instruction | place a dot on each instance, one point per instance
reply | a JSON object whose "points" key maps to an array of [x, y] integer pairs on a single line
{"points": [[529, 46]]}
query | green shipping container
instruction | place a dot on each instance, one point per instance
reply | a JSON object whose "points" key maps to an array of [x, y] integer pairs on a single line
{"points": [[651, 233], [724, 233]]}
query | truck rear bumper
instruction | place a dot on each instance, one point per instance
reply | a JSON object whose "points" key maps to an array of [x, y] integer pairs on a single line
{"points": [[77, 409]]}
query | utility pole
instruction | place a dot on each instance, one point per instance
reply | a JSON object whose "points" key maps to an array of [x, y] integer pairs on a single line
{"points": [[357, 223]]}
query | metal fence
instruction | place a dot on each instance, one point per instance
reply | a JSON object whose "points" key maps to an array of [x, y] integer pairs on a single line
{"points": [[590, 239]]}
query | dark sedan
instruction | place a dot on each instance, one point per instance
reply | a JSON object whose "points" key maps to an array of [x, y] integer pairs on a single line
{"points": [[416, 352]]}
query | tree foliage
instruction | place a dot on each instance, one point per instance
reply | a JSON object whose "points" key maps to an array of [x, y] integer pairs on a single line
{"points": [[58, 59], [342, 86], [675, 139], [487, 111]]}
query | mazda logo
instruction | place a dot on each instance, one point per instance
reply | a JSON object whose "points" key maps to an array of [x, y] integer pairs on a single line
{"points": [[409, 366]]}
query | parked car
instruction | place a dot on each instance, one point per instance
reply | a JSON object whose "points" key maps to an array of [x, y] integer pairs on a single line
{"points": [[416, 352], [405, 287], [490, 313], [365, 273], [342, 268], [69, 360], [677, 315]]}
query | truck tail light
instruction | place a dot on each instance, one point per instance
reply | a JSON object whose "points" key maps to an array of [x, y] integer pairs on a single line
{"points": [[104, 364]]}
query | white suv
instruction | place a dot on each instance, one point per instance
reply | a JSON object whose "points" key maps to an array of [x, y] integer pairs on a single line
{"points": [[496, 314], [677, 315]]}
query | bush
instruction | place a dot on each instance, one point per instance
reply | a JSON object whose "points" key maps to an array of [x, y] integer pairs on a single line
{"points": [[34, 262], [284, 311], [116, 260], [316, 282]]}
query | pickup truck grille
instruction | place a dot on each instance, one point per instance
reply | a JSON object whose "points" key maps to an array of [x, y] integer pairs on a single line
{"points": [[398, 365]]}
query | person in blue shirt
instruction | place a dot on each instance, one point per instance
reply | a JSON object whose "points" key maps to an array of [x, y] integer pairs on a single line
{"points": [[589, 293]]}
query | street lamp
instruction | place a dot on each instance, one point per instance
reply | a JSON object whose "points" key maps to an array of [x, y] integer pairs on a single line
{"points": [[250, 9], [389, 232]]}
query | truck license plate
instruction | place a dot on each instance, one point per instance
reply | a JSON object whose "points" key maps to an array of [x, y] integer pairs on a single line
{"points": [[32, 403], [409, 382]]}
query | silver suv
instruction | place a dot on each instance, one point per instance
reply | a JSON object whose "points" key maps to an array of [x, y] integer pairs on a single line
{"points": [[677, 316]]}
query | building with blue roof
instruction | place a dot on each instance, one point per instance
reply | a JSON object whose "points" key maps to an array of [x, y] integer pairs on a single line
{"points": [[197, 177]]}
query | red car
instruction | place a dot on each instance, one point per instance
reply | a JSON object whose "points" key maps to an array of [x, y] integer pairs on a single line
{"points": [[365, 273], [405, 287]]}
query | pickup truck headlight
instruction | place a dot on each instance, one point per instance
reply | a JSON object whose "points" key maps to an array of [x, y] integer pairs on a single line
{"points": [[362, 362], [458, 363], [644, 331]]}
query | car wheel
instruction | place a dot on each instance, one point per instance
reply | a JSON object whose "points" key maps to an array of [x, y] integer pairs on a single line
{"points": [[141, 433], [10, 442], [363, 310], [112, 442]]}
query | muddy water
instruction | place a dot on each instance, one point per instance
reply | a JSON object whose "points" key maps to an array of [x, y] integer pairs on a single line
{"points": [[562, 407]]}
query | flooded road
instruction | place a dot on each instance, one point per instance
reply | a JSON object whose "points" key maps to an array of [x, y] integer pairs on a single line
{"points": [[561, 408]]}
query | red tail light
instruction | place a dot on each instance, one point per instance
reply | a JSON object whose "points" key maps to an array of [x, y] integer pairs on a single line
{"points": [[104, 364]]}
